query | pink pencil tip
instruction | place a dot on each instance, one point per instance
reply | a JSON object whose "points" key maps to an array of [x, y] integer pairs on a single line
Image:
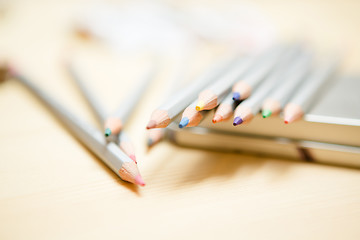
{"points": [[132, 156], [151, 124], [139, 181]]}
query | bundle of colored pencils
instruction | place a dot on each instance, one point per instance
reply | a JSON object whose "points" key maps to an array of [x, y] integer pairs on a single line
{"points": [[282, 78]]}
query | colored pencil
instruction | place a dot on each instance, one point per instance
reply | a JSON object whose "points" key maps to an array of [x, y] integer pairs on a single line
{"points": [[191, 117], [212, 95], [93, 139], [225, 109], [216, 92], [243, 88], [295, 74], [163, 115], [122, 114], [114, 123], [155, 135], [304, 97], [248, 108], [120, 117]]}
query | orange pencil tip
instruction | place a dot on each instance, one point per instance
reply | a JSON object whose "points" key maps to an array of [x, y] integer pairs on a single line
{"points": [[217, 118], [139, 181]]}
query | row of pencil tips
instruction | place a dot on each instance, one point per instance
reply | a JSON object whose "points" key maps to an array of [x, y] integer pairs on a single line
{"points": [[284, 77]]}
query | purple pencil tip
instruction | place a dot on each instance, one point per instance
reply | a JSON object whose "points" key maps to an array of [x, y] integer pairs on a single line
{"points": [[237, 121], [236, 96]]}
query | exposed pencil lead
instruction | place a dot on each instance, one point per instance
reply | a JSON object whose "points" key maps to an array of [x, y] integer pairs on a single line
{"points": [[237, 121], [150, 142], [200, 106], [107, 132], [132, 156], [286, 122], [151, 124], [184, 122], [217, 118], [266, 113], [139, 181], [236, 96]]}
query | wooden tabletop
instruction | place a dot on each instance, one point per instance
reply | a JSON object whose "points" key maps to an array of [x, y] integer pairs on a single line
{"points": [[52, 187]]}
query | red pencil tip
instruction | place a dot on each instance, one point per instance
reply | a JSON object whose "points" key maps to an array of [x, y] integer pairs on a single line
{"points": [[132, 156], [286, 122], [151, 124], [139, 181], [217, 118]]}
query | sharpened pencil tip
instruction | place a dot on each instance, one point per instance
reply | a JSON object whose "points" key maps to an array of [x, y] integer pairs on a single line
{"points": [[107, 132], [132, 156], [217, 118], [236, 96], [184, 122], [266, 113], [237, 121], [286, 122], [150, 142], [139, 181], [200, 106], [151, 124]]}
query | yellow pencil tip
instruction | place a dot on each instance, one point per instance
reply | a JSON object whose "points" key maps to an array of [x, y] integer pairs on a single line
{"points": [[200, 106]]}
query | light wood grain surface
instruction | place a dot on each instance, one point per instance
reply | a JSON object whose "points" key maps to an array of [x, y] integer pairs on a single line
{"points": [[51, 187]]}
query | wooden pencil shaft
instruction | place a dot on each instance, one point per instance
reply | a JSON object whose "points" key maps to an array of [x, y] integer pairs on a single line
{"points": [[259, 72], [123, 136], [90, 98], [125, 109], [293, 78], [239, 71], [254, 102], [223, 84], [305, 96], [228, 99], [93, 139], [177, 102]]}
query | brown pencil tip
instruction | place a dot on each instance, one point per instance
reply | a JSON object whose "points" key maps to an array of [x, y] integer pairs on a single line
{"points": [[139, 181], [151, 124]]}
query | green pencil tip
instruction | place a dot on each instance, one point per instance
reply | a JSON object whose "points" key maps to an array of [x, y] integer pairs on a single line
{"points": [[266, 113], [107, 132]]}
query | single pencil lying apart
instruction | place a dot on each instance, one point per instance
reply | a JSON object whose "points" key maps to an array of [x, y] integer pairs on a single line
{"points": [[113, 124], [295, 75], [304, 97], [225, 109], [119, 118], [252, 105], [163, 115], [93, 139]]}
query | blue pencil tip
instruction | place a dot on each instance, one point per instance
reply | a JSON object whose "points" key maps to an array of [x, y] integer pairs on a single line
{"points": [[236, 96], [184, 122], [237, 121]]}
